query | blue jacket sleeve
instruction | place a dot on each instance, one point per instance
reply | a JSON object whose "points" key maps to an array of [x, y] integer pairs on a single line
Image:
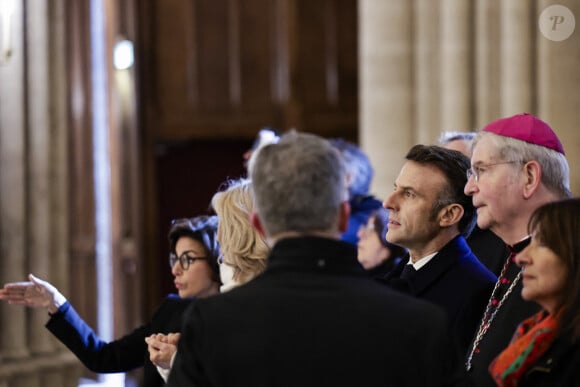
{"points": [[99, 356]]}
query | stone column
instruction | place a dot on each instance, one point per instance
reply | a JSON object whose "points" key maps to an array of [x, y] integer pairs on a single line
{"points": [[558, 80], [28, 379], [39, 152], [59, 207], [426, 62], [385, 87], [487, 62], [456, 65], [13, 248], [517, 61]]}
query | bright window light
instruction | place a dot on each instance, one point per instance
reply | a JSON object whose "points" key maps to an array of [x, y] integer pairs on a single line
{"points": [[123, 56]]}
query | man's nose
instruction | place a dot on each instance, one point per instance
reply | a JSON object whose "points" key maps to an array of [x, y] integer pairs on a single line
{"points": [[470, 186], [388, 202]]}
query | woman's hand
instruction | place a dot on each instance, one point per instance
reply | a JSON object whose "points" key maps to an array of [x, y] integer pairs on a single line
{"points": [[34, 293], [161, 348]]}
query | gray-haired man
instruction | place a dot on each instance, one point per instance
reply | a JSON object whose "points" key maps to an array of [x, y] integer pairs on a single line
{"points": [[314, 317]]}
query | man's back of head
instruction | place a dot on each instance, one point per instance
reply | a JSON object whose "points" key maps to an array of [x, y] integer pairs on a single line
{"points": [[300, 186]]}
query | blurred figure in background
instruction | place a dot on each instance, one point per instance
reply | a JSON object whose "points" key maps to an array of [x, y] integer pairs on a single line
{"points": [[459, 141], [360, 175], [487, 247], [265, 136], [375, 254]]}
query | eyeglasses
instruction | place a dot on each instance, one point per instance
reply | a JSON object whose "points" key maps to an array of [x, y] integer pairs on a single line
{"points": [[185, 259], [477, 170]]}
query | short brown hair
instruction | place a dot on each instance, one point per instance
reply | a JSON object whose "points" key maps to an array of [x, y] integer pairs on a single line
{"points": [[453, 165]]}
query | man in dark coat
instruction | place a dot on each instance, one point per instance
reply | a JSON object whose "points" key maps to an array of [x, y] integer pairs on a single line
{"points": [[517, 165], [430, 215], [314, 317]]}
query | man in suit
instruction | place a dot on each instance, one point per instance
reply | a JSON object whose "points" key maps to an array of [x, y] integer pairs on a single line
{"points": [[314, 317], [431, 216], [517, 165]]}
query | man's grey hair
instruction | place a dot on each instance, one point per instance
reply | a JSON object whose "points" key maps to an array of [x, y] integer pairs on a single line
{"points": [[357, 165], [299, 185], [449, 136], [555, 169]]}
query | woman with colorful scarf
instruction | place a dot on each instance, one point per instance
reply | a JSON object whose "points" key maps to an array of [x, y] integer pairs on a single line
{"points": [[545, 349]]}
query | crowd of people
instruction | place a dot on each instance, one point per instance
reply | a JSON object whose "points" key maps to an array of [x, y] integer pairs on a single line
{"points": [[467, 274]]}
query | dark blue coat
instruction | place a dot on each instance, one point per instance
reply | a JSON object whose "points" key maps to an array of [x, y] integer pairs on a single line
{"points": [[123, 354], [456, 281]]}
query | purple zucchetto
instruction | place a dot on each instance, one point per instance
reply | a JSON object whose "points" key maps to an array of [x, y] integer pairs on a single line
{"points": [[527, 128]]}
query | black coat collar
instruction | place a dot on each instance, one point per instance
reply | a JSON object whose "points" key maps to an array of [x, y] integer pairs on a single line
{"points": [[315, 253], [455, 250]]}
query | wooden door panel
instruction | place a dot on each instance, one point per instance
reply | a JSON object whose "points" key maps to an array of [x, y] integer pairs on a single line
{"points": [[222, 68]]}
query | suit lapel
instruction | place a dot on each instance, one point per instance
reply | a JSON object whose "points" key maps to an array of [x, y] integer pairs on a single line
{"points": [[441, 263]]}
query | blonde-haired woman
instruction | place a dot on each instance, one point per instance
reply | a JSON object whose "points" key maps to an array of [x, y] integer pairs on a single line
{"points": [[243, 249], [243, 252]]}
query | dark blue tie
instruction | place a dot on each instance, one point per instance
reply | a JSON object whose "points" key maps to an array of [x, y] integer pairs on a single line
{"points": [[408, 272]]}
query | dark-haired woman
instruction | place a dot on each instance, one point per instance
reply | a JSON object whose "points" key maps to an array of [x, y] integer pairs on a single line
{"points": [[545, 349], [194, 251]]}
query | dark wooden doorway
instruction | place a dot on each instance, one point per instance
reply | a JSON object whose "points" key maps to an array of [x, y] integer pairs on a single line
{"points": [[188, 174], [212, 73]]}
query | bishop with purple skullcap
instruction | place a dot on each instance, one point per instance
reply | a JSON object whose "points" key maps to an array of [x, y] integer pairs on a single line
{"points": [[526, 127]]}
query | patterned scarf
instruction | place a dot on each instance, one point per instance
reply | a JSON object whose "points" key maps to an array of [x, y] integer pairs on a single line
{"points": [[531, 340]]}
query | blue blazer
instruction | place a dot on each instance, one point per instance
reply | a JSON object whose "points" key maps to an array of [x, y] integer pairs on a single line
{"points": [[456, 281], [121, 355]]}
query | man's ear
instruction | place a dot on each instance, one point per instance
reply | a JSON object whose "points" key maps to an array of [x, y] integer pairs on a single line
{"points": [[450, 215], [343, 217], [257, 223], [533, 178]]}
